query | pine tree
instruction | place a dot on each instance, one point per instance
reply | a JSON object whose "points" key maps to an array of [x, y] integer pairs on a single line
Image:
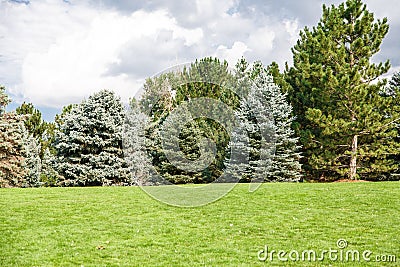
{"points": [[240, 148], [34, 122], [345, 124], [89, 142], [206, 78], [393, 91], [35, 125]]}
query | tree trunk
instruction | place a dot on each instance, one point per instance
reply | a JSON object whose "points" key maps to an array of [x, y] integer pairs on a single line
{"points": [[353, 159]]}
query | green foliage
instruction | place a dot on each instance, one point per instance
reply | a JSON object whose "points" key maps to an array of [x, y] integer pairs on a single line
{"points": [[33, 123], [89, 142], [48, 174], [345, 124], [42, 131], [206, 78], [279, 78]]}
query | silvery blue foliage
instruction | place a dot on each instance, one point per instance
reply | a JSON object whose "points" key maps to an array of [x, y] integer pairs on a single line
{"points": [[31, 163], [266, 117], [134, 147], [272, 108], [89, 143]]}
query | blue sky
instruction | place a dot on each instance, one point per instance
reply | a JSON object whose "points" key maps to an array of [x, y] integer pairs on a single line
{"points": [[53, 53]]}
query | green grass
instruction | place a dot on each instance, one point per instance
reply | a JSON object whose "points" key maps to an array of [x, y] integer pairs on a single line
{"points": [[67, 226]]}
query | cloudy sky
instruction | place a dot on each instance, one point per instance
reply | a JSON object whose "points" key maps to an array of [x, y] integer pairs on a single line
{"points": [[55, 52]]}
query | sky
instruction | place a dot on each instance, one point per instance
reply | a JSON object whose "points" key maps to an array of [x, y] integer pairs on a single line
{"points": [[54, 52]]}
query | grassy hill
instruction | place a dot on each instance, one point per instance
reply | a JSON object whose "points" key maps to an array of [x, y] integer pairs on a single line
{"points": [[123, 226]]}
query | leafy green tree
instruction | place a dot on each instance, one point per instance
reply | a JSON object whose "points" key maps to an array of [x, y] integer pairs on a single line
{"points": [[346, 125], [89, 142]]}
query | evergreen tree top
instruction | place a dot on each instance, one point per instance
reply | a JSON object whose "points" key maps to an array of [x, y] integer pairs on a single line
{"points": [[4, 100]]}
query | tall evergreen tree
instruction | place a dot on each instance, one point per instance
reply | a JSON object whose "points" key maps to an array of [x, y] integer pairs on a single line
{"points": [[267, 118], [345, 124], [89, 142], [35, 125], [134, 143], [205, 78], [34, 122], [11, 144], [32, 164], [48, 174]]}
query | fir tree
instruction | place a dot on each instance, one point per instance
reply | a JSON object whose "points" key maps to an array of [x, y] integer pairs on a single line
{"points": [[31, 163], [345, 124], [89, 142], [11, 144], [395, 80], [134, 143], [266, 117], [273, 117], [48, 174], [206, 78], [238, 150]]}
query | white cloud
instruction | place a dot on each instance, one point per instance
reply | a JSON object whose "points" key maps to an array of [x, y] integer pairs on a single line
{"points": [[231, 55], [54, 53], [75, 63], [292, 27]]}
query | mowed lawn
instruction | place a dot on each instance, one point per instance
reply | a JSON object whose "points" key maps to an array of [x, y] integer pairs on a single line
{"points": [[123, 226]]}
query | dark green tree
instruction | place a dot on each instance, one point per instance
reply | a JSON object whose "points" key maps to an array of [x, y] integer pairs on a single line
{"points": [[34, 122], [345, 124], [205, 78], [35, 125]]}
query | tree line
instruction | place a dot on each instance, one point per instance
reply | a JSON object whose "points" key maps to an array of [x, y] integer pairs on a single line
{"points": [[327, 117]]}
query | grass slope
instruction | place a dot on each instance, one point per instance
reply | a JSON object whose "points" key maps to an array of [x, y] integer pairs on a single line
{"points": [[123, 226]]}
